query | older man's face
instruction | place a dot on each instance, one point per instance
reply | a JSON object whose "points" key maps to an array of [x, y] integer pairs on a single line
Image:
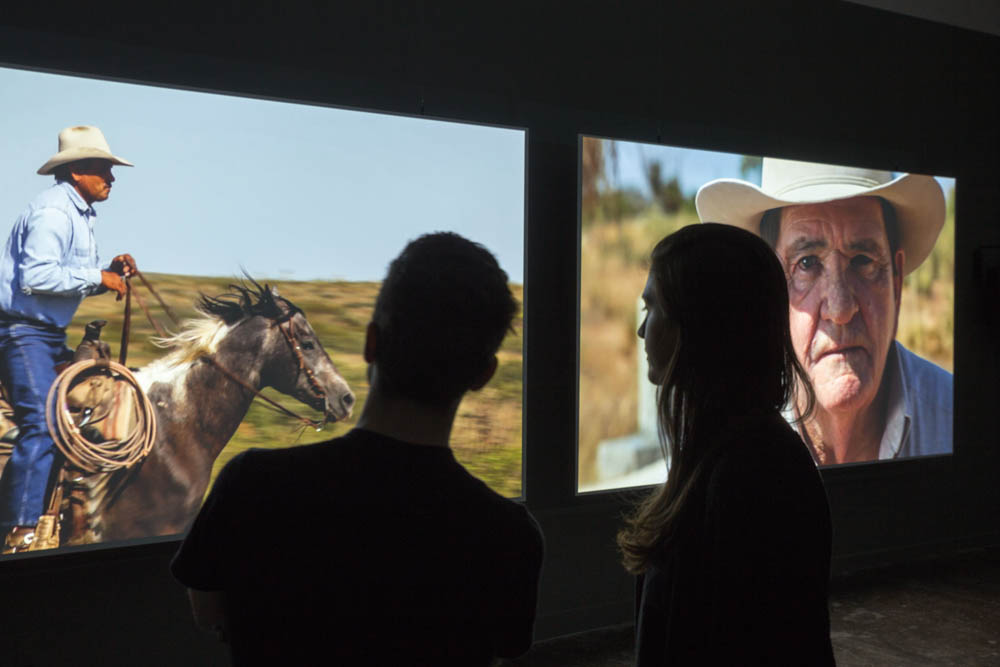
{"points": [[843, 296]]}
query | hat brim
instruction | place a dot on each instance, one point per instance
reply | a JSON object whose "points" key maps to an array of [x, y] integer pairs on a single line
{"points": [[74, 154], [918, 201]]}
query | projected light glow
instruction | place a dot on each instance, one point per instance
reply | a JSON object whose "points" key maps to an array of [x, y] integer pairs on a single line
{"points": [[631, 195], [314, 200]]}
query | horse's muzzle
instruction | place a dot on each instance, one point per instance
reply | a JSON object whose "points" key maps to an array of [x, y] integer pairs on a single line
{"points": [[339, 406]]}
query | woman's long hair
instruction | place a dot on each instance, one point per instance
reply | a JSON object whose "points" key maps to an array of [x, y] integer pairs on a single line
{"points": [[724, 292]]}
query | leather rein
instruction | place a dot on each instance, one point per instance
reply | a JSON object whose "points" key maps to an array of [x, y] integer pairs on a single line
{"points": [[284, 324]]}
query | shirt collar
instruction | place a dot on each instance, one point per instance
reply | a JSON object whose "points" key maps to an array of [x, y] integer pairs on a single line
{"points": [[899, 408], [78, 200], [899, 411]]}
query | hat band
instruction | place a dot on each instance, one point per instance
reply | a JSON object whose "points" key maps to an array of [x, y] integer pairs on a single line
{"points": [[838, 179]]}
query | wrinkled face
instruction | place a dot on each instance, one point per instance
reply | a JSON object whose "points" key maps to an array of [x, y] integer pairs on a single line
{"points": [[658, 333], [93, 179], [843, 296], [328, 391]]}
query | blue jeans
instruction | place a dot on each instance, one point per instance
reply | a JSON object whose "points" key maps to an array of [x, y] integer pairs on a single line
{"points": [[28, 355]]}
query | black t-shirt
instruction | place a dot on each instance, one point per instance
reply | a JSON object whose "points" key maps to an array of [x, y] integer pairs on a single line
{"points": [[748, 581], [364, 550]]}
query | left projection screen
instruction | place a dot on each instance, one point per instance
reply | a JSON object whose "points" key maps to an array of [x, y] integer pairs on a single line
{"points": [[312, 200]]}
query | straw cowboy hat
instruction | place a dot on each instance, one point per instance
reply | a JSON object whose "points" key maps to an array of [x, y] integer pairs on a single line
{"points": [[918, 199], [80, 143]]}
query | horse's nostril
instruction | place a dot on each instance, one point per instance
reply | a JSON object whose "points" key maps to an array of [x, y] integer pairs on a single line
{"points": [[348, 400]]}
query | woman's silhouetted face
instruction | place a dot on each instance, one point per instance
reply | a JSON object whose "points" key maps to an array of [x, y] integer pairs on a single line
{"points": [[658, 333]]}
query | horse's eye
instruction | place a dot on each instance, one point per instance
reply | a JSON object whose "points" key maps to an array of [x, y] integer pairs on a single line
{"points": [[307, 345]]}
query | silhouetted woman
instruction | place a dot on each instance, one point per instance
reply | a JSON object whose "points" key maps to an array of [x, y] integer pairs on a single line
{"points": [[734, 549]]}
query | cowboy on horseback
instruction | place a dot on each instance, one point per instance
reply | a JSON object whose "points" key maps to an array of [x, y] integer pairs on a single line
{"points": [[48, 265]]}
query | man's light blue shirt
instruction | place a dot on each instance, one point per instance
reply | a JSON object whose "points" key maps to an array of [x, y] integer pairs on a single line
{"points": [[919, 412], [919, 407], [50, 261]]}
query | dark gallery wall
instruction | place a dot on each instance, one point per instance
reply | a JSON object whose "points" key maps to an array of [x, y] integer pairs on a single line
{"points": [[825, 80]]}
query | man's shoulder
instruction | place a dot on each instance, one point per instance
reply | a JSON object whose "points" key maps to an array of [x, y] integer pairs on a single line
{"points": [[297, 456], [511, 511], [922, 375], [55, 195], [929, 399], [53, 198]]}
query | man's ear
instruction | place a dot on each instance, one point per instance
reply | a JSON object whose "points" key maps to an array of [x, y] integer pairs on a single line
{"points": [[486, 375], [371, 336]]}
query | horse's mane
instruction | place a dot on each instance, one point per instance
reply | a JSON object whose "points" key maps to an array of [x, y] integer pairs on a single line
{"points": [[201, 335], [248, 298]]}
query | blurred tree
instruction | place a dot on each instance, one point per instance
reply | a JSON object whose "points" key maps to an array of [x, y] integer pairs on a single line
{"points": [[616, 208], [621, 204], [667, 194], [592, 178], [750, 168]]}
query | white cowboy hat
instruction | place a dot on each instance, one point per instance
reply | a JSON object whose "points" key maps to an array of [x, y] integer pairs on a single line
{"points": [[80, 143], [918, 199]]}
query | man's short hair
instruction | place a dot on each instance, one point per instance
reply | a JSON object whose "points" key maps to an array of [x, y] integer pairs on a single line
{"points": [[441, 314], [63, 171], [770, 227]]}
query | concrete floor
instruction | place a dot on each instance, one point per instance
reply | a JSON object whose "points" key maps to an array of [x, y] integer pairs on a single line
{"points": [[935, 612]]}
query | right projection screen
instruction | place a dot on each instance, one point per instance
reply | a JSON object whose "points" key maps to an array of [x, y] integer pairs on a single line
{"points": [[837, 230]]}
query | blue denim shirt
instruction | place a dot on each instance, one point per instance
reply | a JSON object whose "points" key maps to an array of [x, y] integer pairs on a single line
{"points": [[920, 407], [919, 410], [50, 260]]}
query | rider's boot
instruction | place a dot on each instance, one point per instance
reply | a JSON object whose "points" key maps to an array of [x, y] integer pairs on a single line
{"points": [[19, 540], [33, 538]]}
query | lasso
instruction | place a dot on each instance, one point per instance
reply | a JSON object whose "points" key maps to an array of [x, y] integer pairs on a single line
{"points": [[109, 455]]}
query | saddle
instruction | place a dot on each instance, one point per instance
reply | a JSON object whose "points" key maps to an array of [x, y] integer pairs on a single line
{"points": [[88, 395], [102, 408]]}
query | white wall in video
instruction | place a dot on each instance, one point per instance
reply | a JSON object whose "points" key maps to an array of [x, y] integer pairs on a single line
{"points": [[869, 256]]}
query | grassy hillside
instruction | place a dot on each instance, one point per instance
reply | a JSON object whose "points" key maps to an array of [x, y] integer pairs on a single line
{"points": [[487, 432]]}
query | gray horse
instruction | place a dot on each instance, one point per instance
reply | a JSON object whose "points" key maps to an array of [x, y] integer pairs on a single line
{"points": [[261, 340]]}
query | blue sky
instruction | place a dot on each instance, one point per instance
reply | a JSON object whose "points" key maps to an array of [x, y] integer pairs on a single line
{"points": [[287, 191], [693, 168]]}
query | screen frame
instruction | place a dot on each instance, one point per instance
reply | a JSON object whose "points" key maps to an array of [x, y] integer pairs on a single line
{"points": [[723, 104], [843, 473], [71, 555]]}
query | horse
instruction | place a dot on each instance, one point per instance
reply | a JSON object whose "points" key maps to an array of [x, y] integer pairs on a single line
{"points": [[261, 340]]}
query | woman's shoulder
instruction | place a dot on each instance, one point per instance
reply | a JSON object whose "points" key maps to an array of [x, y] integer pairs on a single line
{"points": [[766, 482], [763, 451]]}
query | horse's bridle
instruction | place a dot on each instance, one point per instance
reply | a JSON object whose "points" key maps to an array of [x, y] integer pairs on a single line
{"points": [[287, 328], [288, 333]]}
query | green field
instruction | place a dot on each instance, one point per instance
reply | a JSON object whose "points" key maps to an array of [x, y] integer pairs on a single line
{"points": [[487, 434]]}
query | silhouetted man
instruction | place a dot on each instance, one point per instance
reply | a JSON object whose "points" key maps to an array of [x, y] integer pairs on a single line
{"points": [[379, 547]]}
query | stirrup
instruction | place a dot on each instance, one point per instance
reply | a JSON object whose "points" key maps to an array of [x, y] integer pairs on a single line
{"points": [[19, 540], [33, 538]]}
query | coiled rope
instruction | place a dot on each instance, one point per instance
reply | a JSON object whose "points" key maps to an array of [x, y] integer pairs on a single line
{"points": [[109, 455]]}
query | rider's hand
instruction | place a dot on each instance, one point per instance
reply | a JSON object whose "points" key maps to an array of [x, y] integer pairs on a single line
{"points": [[114, 282], [123, 265]]}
